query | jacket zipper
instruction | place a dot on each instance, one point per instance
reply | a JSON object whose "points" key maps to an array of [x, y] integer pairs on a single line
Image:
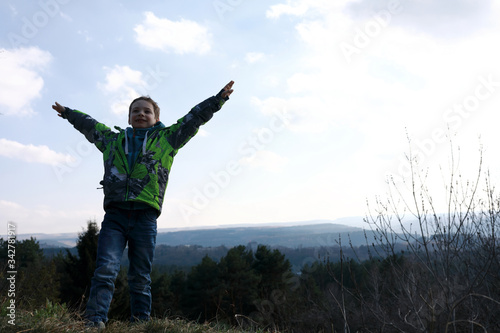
{"points": [[130, 169], [125, 164]]}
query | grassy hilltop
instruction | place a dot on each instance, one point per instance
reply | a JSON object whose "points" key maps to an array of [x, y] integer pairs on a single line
{"points": [[55, 318]]}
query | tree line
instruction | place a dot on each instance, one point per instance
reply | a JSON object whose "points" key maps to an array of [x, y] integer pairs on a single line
{"points": [[456, 288], [438, 273]]}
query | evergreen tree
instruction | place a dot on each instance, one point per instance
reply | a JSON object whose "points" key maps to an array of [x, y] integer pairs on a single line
{"points": [[36, 278], [240, 282], [204, 290], [77, 270], [178, 292], [162, 295], [272, 267], [274, 271]]}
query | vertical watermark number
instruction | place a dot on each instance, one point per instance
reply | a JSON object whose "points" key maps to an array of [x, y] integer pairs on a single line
{"points": [[11, 272]]}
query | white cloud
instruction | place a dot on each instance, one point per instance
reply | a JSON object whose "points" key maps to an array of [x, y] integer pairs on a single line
{"points": [[12, 212], [65, 16], [271, 81], [8, 205], [253, 57], [32, 154], [396, 78], [266, 160], [119, 78], [301, 8], [399, 80], [85, 34], [298, 114], [29, 218], [444, 18], [181, 37], [21, 82], [124, 84], [276, 11], [13, 10]]}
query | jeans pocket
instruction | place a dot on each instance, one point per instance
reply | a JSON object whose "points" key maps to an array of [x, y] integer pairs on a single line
{"points": [[148, 219], [150, 215]]}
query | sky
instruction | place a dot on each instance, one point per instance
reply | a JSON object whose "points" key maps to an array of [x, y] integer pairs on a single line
{"points": [[330, 99]]}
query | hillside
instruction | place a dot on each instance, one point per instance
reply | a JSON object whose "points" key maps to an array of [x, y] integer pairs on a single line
{"points": [[315, 233], [325, 234]]}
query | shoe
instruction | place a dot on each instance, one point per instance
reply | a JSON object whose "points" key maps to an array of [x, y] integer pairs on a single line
{"points": [[96, 324], [141, 319]]}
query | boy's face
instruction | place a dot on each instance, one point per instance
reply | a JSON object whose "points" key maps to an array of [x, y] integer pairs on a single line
{"points": [[142, 115]]}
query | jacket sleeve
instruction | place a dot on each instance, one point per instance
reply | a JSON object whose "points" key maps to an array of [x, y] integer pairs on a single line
{"points": [[96, 132], [186, 127]]}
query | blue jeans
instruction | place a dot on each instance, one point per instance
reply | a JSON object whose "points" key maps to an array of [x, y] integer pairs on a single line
{"points": [[138, 228]]}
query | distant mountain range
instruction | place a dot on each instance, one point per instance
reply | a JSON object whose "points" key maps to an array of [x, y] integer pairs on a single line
{"points": [[311, 235], [317, 233]]}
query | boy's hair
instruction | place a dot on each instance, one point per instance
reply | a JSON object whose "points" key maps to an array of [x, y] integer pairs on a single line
{"points": [[156, 108]]}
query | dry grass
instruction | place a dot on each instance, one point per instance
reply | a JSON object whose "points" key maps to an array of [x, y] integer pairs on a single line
{"points": [[55, 318]]}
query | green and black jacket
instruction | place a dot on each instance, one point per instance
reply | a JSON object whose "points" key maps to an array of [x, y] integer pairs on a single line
{"points": [[143, 183]]}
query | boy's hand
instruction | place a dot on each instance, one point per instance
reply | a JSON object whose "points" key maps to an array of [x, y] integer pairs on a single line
{"points": [[59, 108], [227, 90]]}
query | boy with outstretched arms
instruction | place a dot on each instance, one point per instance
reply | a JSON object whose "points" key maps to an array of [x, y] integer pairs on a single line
{"points": [[137, 162]]}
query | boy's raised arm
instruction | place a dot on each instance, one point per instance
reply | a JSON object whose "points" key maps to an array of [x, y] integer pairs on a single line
{"points": [[59, 108], [227, 90], [187, 126], [96, 132]]}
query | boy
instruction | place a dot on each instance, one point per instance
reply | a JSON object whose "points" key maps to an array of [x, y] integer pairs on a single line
{"points": [[137, 164]]}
